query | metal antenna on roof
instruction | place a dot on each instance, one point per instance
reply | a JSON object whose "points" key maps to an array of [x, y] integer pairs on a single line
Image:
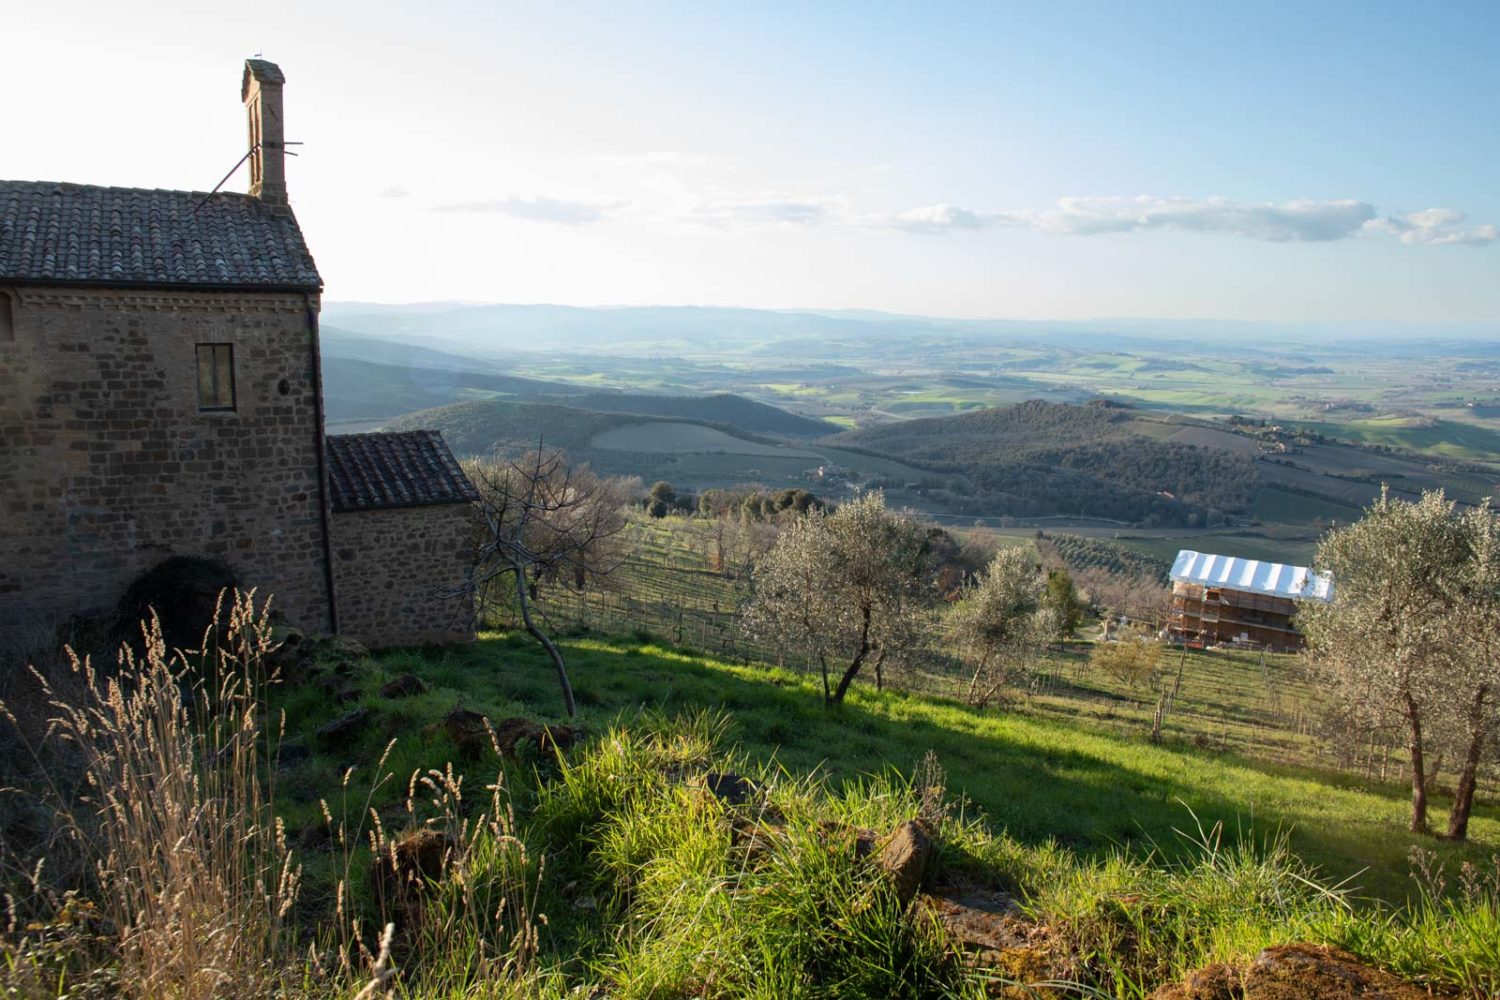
{"points": [[240, 163]]}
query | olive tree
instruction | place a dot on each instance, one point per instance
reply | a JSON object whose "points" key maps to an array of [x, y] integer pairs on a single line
{"points": [[1001, 623], [848, 586], [1473, 702], [1409, 635]]}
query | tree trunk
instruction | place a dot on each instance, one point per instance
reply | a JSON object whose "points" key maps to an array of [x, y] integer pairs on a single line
{"points": [[547, 644], [1418, 771], [1463, 797], [859, 659], [973, 694]]}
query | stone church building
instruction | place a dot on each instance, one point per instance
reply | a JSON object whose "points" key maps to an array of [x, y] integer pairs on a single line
{"points": [[160, 396]]}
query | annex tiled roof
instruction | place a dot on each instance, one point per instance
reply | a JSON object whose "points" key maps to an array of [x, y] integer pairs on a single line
{"points": [[406, 469], [78, 233], [1251, 575]]}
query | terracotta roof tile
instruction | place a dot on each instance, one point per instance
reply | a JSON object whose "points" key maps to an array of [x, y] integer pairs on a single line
{"points": [[407, 469], [82, 234]]}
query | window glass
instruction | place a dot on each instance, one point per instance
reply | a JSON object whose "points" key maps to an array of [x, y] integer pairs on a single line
{"points": [[215, 376]]}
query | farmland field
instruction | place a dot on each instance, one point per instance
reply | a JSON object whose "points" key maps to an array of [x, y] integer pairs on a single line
{"points": [[1281, 506], [674, 438]]}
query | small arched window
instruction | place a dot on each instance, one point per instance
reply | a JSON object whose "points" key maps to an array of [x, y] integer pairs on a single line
{"points": [[7, 317]]}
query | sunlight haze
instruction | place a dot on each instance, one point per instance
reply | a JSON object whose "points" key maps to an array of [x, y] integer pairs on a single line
{"points": [[1282, 162]]}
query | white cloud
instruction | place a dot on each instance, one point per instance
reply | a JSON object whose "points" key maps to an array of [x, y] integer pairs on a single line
{"points": [[933, 219], [395, 191], [1302, 221], [765, 209], [1298, 221], [559, 211], [1433, 227]]}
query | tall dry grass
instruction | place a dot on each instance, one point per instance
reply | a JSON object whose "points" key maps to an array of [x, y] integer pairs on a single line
{"points": [[192, 879]]}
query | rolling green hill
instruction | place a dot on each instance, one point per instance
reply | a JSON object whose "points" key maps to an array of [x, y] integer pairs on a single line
{"points": [[720, 408], [485, 427], [1043, 458], [370, 390]]}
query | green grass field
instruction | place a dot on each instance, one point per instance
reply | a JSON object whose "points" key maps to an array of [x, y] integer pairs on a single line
{"points": [[1424, 435], [1283, 507], [1039, 779]]}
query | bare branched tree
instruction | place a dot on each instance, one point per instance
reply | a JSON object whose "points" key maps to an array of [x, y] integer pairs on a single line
{"points": [[542, 520]]}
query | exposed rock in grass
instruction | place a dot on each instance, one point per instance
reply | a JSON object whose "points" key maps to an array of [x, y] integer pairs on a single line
{"points": [[291, 654], [864, 839], [405, 686], [1014, 954], [560, 737], [469, 731], [904, 858], [1294, 972], [345, 695], [730, 788], [341, 647], [516, 734], [1305, 971], [402, 876], [299, 657], [1212, 982], [755, 839], [345, 727]]}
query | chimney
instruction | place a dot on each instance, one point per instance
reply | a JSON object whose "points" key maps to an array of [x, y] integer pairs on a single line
{"points": [[260, 89]]}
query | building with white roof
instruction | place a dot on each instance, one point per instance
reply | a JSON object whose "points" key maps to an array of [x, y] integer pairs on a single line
{"points": [[1218, 598]]}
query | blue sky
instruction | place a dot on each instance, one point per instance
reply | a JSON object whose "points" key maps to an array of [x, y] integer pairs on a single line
{"points": [[1058, 160]]}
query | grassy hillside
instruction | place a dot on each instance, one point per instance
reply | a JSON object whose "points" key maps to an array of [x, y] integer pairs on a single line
{"points": [[1040, 780], [489, 426], [683, 451], [1045, 458], [699, 829], [355, 389]]}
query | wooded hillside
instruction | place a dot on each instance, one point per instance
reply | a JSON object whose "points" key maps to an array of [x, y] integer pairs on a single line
{"points": [[1048, 458]]}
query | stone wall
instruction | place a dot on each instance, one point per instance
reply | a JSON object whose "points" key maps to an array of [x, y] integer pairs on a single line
{"points": [[397, 569], [107, 466]]}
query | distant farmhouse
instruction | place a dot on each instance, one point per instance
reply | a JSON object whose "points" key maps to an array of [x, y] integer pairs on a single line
{"points": [[161, 398], [1224, 599]]}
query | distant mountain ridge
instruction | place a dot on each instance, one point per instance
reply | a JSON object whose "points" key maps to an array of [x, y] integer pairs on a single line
{"points": [[532, 327]]}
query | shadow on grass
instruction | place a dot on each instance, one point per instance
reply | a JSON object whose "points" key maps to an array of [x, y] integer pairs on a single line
{"points": [[1038, 780]]}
